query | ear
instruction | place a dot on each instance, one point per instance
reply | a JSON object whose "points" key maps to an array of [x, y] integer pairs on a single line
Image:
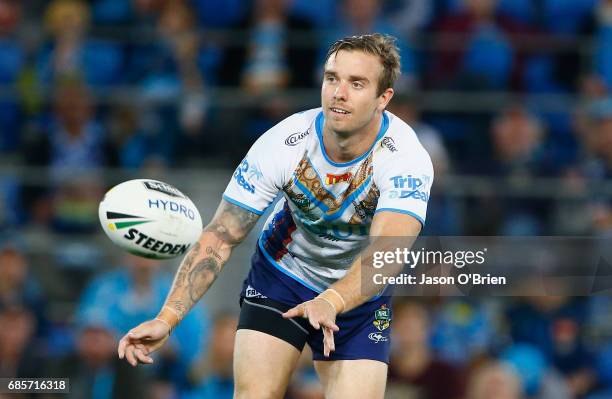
{"points": [[384, 99]]}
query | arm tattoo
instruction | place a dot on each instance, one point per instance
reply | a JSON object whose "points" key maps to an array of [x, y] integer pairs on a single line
{"points": [[201, 266], [232, 223], [202, 276]]}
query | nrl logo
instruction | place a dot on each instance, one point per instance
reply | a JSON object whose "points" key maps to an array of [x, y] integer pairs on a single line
{"points": [[382, 318]]}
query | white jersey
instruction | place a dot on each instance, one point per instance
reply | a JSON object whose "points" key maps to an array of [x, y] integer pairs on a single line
{"points": [[323, 220]]}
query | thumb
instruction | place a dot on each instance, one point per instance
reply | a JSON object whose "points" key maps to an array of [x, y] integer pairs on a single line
{"points": [[139, 333]]}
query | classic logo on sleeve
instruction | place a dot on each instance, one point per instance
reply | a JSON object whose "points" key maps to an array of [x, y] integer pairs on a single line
{"points": [[408, 186], [295, 138], [389, 144], [245, 174]]}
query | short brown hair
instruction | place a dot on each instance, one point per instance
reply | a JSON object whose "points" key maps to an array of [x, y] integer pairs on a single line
{"points": [[382, 46]]}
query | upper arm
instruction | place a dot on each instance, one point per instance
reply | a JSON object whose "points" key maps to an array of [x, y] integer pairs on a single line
{"points": [[394, 224], [231, 223], [264, 170], [404, 180]]}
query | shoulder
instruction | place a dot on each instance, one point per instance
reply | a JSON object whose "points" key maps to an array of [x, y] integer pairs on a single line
{"points": [[401, 146], [291, 131]]}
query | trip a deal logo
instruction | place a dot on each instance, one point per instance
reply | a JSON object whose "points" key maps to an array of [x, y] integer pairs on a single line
{"points": [[246, 173], [411, 187]]}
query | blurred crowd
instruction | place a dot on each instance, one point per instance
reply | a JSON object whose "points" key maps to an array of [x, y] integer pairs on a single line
{"points": [[511, 90], [542, 347], [517, 91]]}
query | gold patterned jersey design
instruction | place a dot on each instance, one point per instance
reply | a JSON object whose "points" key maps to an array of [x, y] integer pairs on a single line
{"points": [[307, 191]]}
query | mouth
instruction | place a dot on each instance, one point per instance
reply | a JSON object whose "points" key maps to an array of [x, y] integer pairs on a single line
{"points": [[339, 111]]}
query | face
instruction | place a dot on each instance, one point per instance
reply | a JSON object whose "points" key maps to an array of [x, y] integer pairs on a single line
{"points": [[349, 94]]}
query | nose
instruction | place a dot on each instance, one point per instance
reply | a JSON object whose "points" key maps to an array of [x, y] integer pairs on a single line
{"points": [[341, 92]]}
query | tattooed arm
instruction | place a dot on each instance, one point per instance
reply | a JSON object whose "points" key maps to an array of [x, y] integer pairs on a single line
{"points": [[204, 261], [198, 270]]}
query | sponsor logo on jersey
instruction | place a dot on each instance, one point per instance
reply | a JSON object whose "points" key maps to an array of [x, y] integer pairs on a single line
{"points": [[241, 171], [389, 143], [382, 318], [377, 337], [412, 187], [172, 207], [295, 138], [153, 244], [163, 188], [251, 292], [335, 179]]}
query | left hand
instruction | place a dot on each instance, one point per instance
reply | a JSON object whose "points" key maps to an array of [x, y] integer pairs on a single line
{"points": [[319, 314]]}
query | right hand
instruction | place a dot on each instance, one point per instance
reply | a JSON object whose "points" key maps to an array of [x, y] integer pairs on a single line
{"points": [[142, 340]]}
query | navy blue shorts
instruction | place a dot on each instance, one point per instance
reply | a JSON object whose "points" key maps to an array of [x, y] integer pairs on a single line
{"points": [[364, 331]]}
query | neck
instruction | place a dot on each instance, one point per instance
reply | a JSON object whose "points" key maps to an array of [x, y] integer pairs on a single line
{"points": [[343, 147]]}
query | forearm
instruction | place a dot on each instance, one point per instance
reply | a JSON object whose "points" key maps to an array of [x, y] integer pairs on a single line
{"points": [[201, 266], [358, 285], [197, 272]]}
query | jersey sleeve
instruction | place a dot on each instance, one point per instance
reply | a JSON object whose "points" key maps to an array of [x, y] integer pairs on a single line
{"points": [[405, 183], [262, 173]]}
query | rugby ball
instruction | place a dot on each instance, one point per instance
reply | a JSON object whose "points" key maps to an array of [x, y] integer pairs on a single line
{"points": [[150, 218]]}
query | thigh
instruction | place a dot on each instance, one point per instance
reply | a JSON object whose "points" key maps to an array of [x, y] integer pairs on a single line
{"points": [[356, 379], [267, 349], [263, 365]]}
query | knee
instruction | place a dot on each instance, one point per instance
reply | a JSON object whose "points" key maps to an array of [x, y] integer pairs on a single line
{"points": [[257, 391]]}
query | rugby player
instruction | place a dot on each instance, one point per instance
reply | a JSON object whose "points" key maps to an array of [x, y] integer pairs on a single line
{"points": [[349, 172]]}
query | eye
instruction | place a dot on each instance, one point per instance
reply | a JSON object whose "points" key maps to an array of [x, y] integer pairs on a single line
{"points": [[330, 78], [357, 85]]}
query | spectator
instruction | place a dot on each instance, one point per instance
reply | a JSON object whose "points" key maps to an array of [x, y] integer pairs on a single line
{"points": [[517, 154], [213, 376], [19, 288], [19, 356], [74, 146], [463, 331], [553, 324], [444, 216], [274, 57], [481, 56], [12, 64], [365, 16], [409, 16], [538, 379], [71, 52], [413, 366], [94, 369], [170, 70], [131, 294], [494, 381]]}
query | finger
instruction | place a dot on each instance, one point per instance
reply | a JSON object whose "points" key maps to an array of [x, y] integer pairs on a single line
{"points": [[297, 311], [328, 341], [129, 355], [121, 348], [314, 323], [142, 357], [331, 325]]}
